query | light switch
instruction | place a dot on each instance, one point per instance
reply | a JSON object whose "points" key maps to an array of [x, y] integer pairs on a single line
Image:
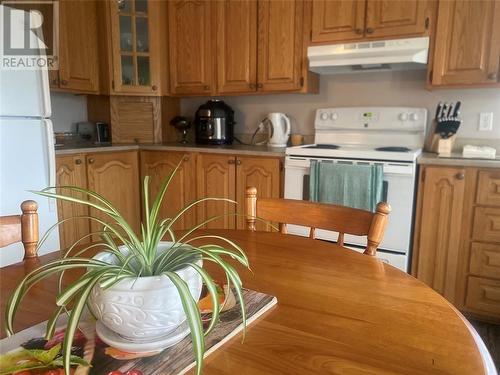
{"points": [[485, 121]]}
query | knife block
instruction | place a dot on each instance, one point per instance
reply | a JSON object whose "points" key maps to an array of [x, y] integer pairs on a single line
{"points": [[442, 146]]}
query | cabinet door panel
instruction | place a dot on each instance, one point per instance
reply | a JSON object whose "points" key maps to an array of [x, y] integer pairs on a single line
{"points": [[387, 18], [440, 220], [334, 21], [78, 61], [262, 173], [485, 260], [115, 176], [216, 179], [190, 46], [236, 46], [280, 45], [182, 189], [467, 49], [71, 171], [483, 295]]}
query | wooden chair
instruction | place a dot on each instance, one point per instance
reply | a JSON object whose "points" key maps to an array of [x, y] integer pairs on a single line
{"points": [[340, 219], [21, 228]]}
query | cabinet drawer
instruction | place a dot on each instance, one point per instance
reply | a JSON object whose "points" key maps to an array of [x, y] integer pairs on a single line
{"points": [[483, 295], [488, 188], [485, 260], [486, 224]]}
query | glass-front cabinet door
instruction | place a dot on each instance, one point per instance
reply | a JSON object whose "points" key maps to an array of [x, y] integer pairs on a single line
{"points": [[135, 54]]}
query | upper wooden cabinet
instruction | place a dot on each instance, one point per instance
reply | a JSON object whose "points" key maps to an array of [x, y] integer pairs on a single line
{"points": [[280, 46], [236, 38], [467, 46], [135, 33], [191, 46], [238, 47], [78, 52], [350, 20], [336, 21]]}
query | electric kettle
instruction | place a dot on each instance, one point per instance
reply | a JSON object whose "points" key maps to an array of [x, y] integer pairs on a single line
{"points": [[279, 129]]}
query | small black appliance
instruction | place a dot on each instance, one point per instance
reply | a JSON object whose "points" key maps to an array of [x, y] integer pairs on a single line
{"points": [[214, 123]]}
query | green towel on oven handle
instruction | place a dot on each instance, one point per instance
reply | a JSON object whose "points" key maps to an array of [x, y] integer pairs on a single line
{"points": [[358, 186]]}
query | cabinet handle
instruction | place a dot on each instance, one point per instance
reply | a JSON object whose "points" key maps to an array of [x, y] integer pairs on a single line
{"points": [[252, 86], [359, 31], [238, 162], [492, 76], [369, 30], [260, 85], [206, 87], [55, 82], [154, 87], [64, 82], [186, 158], [78, 162], [460, 175], [231, 161], [91, 160]]}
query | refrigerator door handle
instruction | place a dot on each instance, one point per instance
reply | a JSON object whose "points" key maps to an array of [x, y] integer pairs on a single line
{"points": [[51, 153]]}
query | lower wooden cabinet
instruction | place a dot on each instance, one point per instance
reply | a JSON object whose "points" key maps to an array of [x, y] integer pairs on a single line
{"points": [[228, 176], [114, 175], [71, 171], [457, 237], [158, 165]]}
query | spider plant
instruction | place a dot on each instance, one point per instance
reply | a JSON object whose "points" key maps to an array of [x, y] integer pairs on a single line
{"points": [[141, 258]]}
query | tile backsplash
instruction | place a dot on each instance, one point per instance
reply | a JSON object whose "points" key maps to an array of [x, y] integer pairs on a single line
{"points": [[402, 88]]}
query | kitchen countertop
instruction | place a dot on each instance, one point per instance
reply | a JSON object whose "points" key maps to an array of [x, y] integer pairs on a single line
{"points": [[190, 147], [456, 159]]}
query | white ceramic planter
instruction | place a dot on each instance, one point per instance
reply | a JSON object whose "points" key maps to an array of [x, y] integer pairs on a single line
{"points": [[144, 308]]}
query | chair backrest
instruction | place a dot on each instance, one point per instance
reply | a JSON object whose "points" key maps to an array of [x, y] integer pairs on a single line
{"points": [[21, 228], [340, 219]]}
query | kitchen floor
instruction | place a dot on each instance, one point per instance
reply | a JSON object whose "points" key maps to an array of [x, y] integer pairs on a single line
{"points": [[490, 333]]}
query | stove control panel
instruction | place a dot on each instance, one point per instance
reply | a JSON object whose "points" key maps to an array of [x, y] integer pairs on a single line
{"points": [[374, 118]]}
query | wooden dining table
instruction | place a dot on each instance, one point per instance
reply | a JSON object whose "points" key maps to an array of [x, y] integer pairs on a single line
{"points": [[338, 312]]}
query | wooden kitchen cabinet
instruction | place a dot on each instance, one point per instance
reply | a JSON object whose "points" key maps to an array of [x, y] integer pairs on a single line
{"points": [[191, 47], [115, 176], [280, 45], [228, 176], [71, 171], [337, 21], [457, 237], [264, 174], [439, 222], [182, 189], [355, 20], [467, 44], [78, 52], [236, 39], [216, 176]]}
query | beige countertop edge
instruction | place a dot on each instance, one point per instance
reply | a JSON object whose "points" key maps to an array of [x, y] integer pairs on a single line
{"points": [[239, 150], [457, 161]]}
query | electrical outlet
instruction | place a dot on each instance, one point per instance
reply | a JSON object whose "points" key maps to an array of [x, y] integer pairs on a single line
{"points": [[485, 121]]}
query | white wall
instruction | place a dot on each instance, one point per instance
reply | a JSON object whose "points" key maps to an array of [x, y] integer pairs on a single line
{"points": [[363, 89], [67, 110]]}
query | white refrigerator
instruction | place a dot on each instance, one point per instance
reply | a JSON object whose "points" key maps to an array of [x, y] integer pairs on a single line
{"points": [[27, 157]]}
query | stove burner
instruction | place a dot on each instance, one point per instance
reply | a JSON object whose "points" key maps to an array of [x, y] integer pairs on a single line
{"points": [[324, 146], [393, 149]]}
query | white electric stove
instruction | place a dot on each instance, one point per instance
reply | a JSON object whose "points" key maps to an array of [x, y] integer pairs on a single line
{"points": [[390, 136]]}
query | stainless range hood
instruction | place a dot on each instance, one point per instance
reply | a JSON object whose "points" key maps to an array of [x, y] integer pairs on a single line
{"points": [[398, 54]]}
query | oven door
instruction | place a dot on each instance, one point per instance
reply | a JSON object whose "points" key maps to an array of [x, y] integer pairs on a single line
{"points": [[399, 185]]}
